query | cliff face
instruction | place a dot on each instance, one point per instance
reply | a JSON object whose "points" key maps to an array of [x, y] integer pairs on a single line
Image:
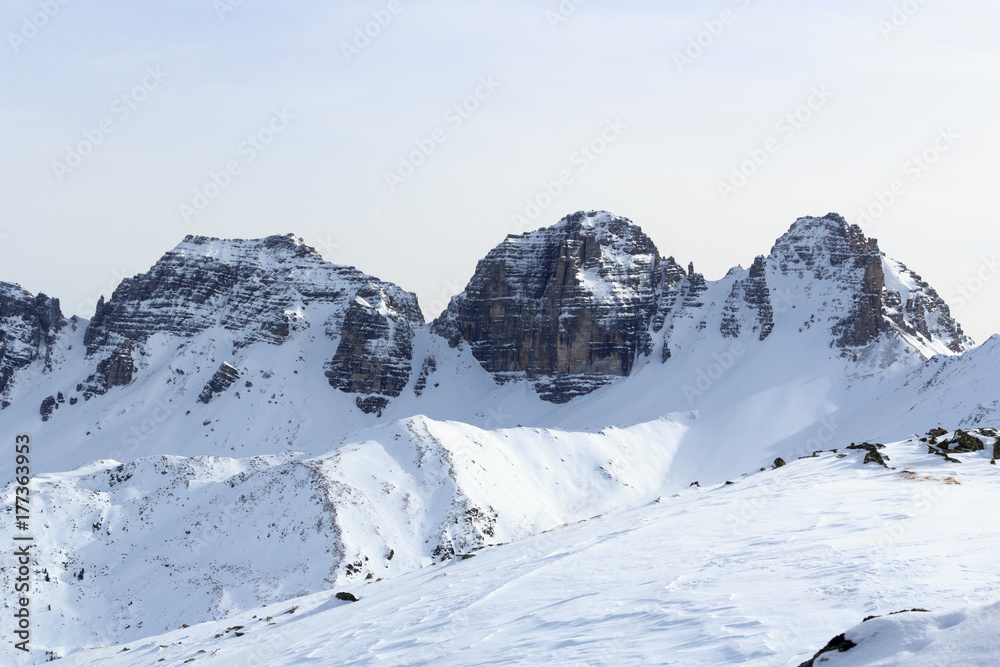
{"points": [[870, 295], [567, 307], [28, 329], [375, 353], [258, 291], [575, 305]]}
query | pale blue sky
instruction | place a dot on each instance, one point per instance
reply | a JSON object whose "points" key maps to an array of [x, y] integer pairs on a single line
{"points": [[324, 174]]}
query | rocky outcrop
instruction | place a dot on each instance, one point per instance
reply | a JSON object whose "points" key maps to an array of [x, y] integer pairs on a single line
{"points": [[251, 288], [573, 306], [828, 249], [223, 379], [568, 307], [28, 329], [376, 348], [426, 370], [915, 308], [749, 295], [257, 291], [757, 296], [870, 296]]}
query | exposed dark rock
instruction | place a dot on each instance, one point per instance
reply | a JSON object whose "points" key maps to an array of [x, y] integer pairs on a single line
{"points": [[262, 291], [565, 388], [28, 329], [839, 644], [117, 369], [749, 295], [830, 249], [757, 296], [730, 327], [372, 405], [672, 284], [376, 346], [48, 405], [962, 442], [924, 314], [426, 370], [893, 613], [779, 462], [573, 300], [223, 379], [872, 454]]}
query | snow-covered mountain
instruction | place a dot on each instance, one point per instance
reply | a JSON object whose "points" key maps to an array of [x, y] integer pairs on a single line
{"points": [[246, 422], [763, 570]]}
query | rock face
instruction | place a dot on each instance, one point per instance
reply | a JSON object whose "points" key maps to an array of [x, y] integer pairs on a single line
{"points": [[258, 291], [567, 307], [28, 329], [873, 295], [221, 381], [916, 308], [376, 348], [575, 305]]}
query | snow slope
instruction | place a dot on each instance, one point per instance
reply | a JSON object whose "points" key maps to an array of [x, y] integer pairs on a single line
{"points": [[761, 572], [144, 543]]}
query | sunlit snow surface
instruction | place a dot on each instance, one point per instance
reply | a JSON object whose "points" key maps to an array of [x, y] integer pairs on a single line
{"points": [[763, 571]]}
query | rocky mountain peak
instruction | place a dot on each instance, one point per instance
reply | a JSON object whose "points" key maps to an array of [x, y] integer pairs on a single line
{"points": [[567, 306], [251, 291], [819, 245], [867, 295]]}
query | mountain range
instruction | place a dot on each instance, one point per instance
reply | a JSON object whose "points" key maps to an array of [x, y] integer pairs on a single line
{"points": [[247, 423]]}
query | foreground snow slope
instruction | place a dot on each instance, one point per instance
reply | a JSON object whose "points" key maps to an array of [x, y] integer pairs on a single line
{"points": [[762, 571], [124, 551]]}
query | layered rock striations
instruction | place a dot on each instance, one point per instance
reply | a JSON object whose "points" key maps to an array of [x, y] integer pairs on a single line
{"points": [[567, 307], [868, 296], [259, 291], [29, 326], [575, 305], [375, 353]]}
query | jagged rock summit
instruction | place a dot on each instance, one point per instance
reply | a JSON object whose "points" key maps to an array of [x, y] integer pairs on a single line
{"points": [[866, 295], [243, 292], [568, 309], [572, 306]]}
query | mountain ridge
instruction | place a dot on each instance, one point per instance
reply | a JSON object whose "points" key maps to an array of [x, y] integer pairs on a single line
{"points": [[243, 399], [568, 308]]}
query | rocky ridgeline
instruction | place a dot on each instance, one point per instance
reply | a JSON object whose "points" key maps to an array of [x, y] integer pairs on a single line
{"points": [[864, 304], [575, 305], [28, 329], [259, 291], [568, 308]]}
